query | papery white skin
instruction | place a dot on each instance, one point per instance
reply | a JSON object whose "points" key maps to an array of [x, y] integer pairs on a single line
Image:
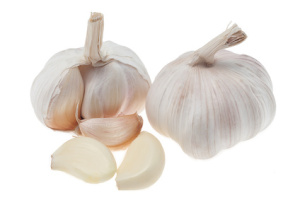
{"points": [[59, 87], [52, 85], [211, 99], [143, 163]]}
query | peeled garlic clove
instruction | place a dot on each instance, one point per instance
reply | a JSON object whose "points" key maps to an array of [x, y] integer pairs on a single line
{"points": [[115, 133], [86, 159], [143, 163], [58, 89], [211, 99]]}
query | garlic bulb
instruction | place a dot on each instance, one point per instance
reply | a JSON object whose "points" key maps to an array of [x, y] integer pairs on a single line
{"points": [[210, 99], [143, 163], [102, 78], [86, 159]]}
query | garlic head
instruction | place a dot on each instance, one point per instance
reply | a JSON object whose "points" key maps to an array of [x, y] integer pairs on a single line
{"points": [[210, 99], [103, 78]]}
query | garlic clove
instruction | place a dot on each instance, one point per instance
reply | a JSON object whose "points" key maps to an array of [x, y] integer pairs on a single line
{"points": [[116, 133], [112, 89], [58, 89], [86, 159], [63, 106], [104, 91], [143, 163]]}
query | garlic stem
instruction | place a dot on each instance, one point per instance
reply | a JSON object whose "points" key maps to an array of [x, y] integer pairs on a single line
{"points": [[94, 38], [230, 37]]}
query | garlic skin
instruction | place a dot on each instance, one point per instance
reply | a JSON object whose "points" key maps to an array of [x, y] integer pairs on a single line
{"points": [[116, 133], [143, 163], [58, 89], [86, 159], [103, 78], [211, 99]]}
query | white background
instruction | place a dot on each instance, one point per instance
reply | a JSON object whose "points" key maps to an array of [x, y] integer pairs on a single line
{"points": [[265, 167]]}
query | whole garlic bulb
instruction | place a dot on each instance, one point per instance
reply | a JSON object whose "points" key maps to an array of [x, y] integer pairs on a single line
{"points": [[210, 99], [103, 79]]}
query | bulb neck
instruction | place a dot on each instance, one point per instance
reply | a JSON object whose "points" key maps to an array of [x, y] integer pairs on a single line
{"points": [[94, 37], [230, 37]]}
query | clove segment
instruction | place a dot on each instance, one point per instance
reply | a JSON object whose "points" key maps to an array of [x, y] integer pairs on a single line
{"points": [[112, 89], [116, 133], [143, 163], [86, 159]]}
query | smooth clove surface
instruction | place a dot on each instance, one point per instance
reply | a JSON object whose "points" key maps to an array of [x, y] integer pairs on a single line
{"points": [[86, 159], [143, 163]]}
